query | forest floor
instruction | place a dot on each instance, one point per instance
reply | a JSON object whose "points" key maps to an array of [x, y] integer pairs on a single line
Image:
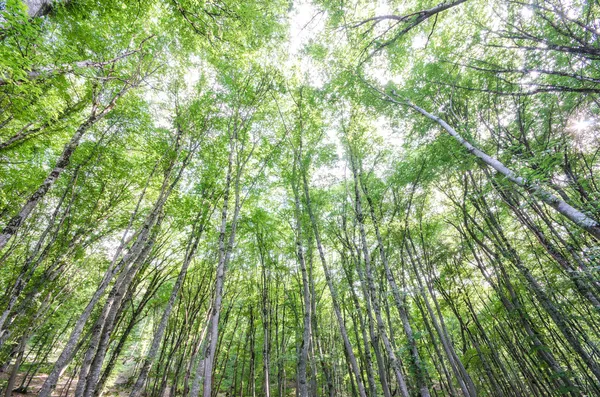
{"points": [[64, 388]]}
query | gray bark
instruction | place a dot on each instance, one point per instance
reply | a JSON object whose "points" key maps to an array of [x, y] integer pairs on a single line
{"points": [[333, 291], [203, 344], [116, 265], [372, 295], [63, 161], [400, 306], [225, 247], [303, 359], [38, 8], [585, 222], [96, 353], [464, 380], [158, 335]]}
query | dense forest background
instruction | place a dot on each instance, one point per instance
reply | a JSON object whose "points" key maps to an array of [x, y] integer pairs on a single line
{"points": [[300, 198]]}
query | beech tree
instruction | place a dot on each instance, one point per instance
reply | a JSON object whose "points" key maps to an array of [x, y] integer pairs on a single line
{"points": [[311, 198]]}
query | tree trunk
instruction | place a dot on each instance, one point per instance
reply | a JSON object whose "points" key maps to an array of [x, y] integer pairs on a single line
{"points": [[190, 252], [419, 369], [306, 334], [63, 161], [577, 217], [114, 268], [225, 247], [372, 296], [332, 290]]}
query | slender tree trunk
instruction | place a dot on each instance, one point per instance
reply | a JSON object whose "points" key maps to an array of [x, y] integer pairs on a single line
{"points": [[134, 252], [61, 164], [420, 371], [332, 290], [315, 327], [15, 371], [372, 295], [367, 358], [191, 251], [225, 247], [202, 347], [585, 222], [306, 334], [464, 379]]}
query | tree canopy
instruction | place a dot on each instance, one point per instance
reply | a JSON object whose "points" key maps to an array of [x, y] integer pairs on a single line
{"points": [[299, 198]]}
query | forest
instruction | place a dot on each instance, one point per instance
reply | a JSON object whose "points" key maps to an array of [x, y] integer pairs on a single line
{"points": [[353, 198]]}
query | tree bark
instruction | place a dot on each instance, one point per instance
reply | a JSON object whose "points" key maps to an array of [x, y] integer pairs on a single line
{"points": [[585, 222], [225, 247], [332, 290], [306, 334], [114, 268], [372, 295], [419, 369], [137, 389], [63, 161]]}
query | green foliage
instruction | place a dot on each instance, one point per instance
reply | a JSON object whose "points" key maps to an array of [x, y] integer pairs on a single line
{"points": [[233, 122]]}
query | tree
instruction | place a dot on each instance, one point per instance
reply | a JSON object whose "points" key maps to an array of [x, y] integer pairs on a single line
{"points": [[271, 198]]}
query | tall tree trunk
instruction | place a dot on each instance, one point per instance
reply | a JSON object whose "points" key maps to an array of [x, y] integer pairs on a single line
{"points": [[15, 371], [372, 295], [367, 358], [225, 247], [306, 334], [265, 310], [63, 161], [138, 248], [464, 379], [91, 368], [400, 306], [332, 290], [315, 327], [137, 389], [585, 222]]}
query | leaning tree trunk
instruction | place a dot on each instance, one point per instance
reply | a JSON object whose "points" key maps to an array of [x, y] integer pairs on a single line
{"points": [[162, 326], [13, 374], [511, 301], [367, 358], [372, 296], [31, 263], [464, 379], [506, 249], [332, 290], [419, 369], [585, 222], [134, 252], [99, 343], [63, 161]]}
